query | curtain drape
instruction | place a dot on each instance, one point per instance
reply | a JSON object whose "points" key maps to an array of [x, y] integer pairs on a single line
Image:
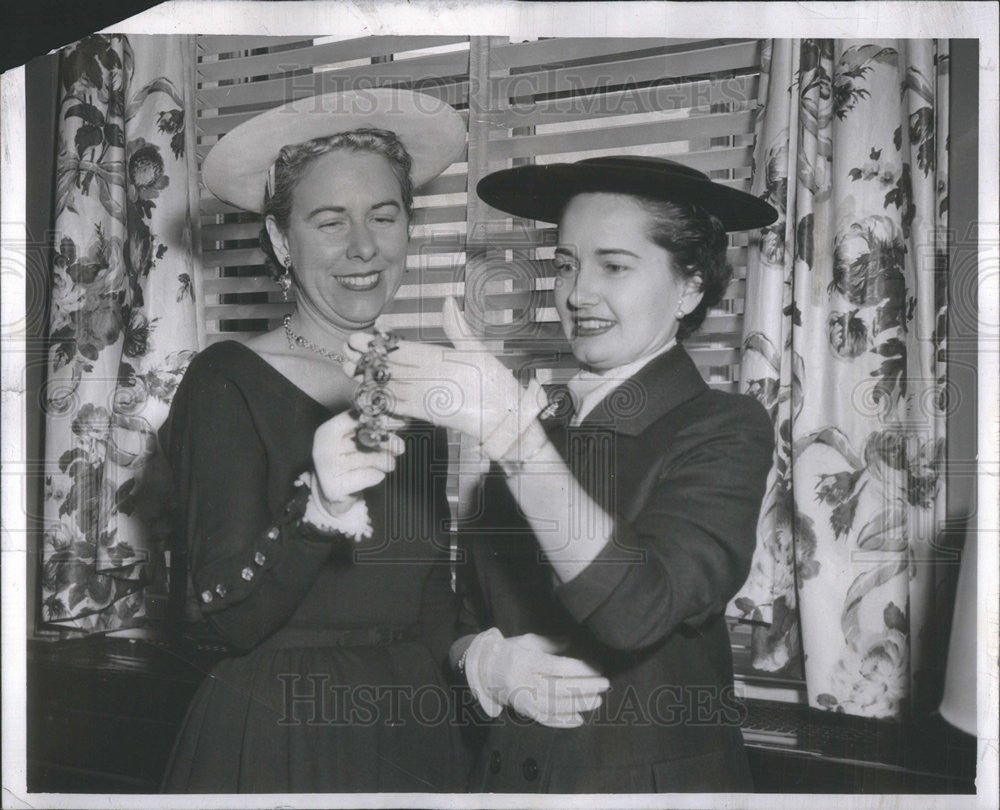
{"points": [[844, 340], [122, 320]]}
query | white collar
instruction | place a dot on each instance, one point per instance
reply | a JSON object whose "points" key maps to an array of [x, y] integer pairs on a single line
{"points": [[589, 387]]}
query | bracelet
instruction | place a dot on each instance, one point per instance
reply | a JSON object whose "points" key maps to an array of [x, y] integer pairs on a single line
{"points": [[460, 666], [507, 434], [371, 399], [515, 463]]}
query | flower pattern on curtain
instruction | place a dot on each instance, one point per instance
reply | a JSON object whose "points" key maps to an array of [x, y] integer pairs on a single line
{"points": [[845, 326], [122, 320]]}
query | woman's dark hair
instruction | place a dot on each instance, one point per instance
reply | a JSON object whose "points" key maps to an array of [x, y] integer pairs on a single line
{"points": [[697, 243], [294, 160]]}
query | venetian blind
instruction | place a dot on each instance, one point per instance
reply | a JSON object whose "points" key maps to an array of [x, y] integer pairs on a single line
{"points": [[540, 101], [560, 100]]}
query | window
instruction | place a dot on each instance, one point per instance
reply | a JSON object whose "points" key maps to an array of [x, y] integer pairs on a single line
{"points": [[545, 100]]}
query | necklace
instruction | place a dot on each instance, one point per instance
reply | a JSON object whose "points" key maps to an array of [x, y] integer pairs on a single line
{"points": [[297, 341]]}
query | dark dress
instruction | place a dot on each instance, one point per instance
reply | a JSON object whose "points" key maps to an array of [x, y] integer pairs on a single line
{"points": [[338, 683], [682, 468]]}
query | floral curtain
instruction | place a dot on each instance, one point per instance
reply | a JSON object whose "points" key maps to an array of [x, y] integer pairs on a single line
{"points": [[845, 327], [122, 321]]}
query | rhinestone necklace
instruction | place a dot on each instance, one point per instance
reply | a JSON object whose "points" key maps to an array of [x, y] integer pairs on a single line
{"points": [[297, 341]]}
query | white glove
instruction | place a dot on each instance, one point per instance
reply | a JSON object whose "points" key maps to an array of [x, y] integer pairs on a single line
{"points": [[342, 471], [525, 673], [464, 388]]}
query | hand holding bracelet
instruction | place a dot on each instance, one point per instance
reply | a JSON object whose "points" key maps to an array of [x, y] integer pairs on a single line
{"points": [[371, 398]]}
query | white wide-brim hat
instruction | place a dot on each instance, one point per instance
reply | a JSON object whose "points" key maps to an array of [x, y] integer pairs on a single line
{"points": [[237, 167]]}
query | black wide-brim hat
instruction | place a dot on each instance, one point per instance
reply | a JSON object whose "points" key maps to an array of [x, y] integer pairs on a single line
{"points": [[542, 192]]}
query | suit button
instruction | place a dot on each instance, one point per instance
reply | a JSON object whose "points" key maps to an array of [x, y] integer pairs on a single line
{"points": [[495, 762], [530, 769]]}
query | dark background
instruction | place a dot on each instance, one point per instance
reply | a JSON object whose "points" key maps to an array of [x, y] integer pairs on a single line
{"points": [[32, 28]]}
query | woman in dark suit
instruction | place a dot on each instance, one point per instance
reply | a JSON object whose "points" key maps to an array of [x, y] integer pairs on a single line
{"points": [[620, 519]]}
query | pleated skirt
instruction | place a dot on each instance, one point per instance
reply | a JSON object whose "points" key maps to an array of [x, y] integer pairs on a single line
{"points": [[321, 719]]}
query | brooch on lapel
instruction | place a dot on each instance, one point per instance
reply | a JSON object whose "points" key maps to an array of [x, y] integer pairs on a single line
{"points": [[560, 405]]}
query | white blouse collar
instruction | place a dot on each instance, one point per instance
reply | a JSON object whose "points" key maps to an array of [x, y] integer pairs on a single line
{"points": [[589, 387]]}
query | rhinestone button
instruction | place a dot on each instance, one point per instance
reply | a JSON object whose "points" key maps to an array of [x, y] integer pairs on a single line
{"points": [[272, 533], [247, 573], [221, 590], [259, 558], [206, 596]]}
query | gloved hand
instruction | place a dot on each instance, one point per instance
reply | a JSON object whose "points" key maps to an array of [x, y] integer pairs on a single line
{"points": [[525, 673], [342, 471], [464, 388]]}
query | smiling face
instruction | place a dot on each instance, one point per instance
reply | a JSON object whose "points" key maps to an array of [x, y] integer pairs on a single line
{"points": [[347, 237], [618, 295]]}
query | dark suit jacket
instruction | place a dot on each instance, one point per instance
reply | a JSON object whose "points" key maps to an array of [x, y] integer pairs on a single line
{"points": [[683, 469]]}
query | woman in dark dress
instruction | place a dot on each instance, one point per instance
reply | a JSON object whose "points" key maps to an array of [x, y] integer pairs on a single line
{"points": [[316, 559], [619, 520]]}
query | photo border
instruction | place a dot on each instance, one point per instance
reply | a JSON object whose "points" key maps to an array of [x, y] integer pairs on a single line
{"points": [[839, 19]]}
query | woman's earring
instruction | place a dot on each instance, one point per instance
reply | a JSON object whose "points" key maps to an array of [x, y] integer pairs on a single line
{"points": [[284, 279]]}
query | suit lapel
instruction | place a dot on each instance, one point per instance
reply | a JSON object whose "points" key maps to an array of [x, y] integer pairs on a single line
{"points": [[590, 449], [657, 388]]}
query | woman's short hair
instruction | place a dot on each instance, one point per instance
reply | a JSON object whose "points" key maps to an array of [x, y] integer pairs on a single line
{"points": [[697, 244], [294, 160]]}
